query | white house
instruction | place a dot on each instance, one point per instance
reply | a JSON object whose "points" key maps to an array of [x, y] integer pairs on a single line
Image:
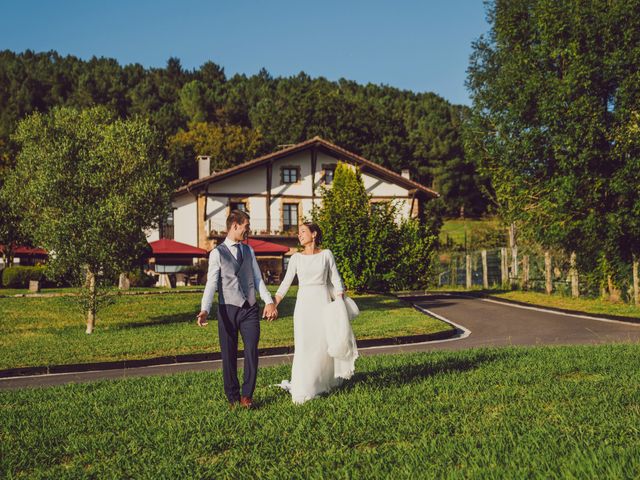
{"points": [[277, 190]]}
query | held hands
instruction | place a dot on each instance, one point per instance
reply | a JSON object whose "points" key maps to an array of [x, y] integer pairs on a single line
{"points": [[202, 318], [270, 312]]}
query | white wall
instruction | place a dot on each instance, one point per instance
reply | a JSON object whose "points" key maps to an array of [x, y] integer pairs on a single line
{"points": [[258, 213], [185, 220], [252, 181], [152, 235], [217, 211], [382, 188]]}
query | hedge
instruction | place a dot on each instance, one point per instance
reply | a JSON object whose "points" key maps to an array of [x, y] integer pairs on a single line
{"points": [[19, 277]]}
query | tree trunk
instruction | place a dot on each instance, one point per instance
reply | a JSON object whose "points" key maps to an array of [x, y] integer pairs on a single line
{"points": [[469, 279], [614, 292], [573, 273], [525, 272], [91, 312], [123, 282], [513, 244], [548, 283], [636, 287], [504, 273], [485, 270]]}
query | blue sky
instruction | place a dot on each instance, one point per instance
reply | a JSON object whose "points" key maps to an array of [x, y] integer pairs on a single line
{"points": [[409, 44]]}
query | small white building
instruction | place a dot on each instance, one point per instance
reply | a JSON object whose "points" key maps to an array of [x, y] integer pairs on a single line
{"points": [[278, 191]]}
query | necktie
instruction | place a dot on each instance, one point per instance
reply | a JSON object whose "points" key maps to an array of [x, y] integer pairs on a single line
{"points": [[238, 252]]}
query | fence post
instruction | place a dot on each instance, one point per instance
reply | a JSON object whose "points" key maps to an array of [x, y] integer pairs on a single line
{"points": [[485, 270], [573, 273], [454, 271], [636, 287], [525, 272], [468, 271], [504, 274], [514, 266], [548, 284]]}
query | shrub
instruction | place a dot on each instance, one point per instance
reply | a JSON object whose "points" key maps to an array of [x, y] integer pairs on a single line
{"points": [[19, 277], [138, 278], [373, 250]]}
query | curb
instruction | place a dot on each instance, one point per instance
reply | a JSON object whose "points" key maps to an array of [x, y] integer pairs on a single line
{"points": [[203, 357]]}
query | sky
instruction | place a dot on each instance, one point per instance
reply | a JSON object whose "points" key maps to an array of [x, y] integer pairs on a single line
{"points": [[423, 46]]}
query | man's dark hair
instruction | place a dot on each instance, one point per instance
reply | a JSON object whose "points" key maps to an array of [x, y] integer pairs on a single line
{"points": [[236, 216], [314, 228]]}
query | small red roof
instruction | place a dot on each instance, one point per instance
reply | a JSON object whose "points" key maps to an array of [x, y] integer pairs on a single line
{"points": [[25, 251], [262, 246], [165, 246]]}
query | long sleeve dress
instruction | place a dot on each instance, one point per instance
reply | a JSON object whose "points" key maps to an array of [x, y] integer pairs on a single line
{"points": [[313, 369]]}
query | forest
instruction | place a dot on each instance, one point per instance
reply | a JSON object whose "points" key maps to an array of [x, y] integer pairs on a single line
{"points": [[236, 118]]}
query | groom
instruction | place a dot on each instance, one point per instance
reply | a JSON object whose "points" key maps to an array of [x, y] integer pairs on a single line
{"points": [[234, 272]]}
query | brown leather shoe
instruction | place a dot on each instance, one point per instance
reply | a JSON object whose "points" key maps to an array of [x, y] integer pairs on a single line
{"points": [[246, 402]]}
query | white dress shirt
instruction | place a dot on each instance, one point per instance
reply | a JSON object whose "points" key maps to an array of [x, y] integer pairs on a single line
{"points": [[214, 273]]}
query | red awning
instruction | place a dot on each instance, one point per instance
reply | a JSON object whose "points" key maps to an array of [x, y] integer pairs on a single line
{"points": [[27, 251], [171, 247], [264, 247]]}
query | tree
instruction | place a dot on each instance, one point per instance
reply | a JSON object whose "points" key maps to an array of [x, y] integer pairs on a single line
{"points": [[373, 249], [547, 99], [228, 145], [89, 185]]}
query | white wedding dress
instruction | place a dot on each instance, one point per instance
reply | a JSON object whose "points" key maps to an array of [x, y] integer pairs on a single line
{"points": [[314, 371]]}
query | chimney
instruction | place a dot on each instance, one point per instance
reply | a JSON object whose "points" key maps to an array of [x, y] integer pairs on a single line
{"points": [[406, 173], [204, 166]]}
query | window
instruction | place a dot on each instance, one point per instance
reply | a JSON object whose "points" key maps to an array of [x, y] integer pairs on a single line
{"points": [[290, 174], [242, 206], [289, 216], [166, 227], [328, 176]]}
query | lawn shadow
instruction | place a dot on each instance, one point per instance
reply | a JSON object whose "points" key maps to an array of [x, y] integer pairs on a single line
{"points": [[415, 372]]}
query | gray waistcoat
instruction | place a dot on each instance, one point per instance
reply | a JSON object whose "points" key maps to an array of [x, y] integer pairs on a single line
{"points": [[235, 283]]}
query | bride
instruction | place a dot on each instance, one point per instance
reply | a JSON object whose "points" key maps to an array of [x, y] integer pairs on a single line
{"points": [[314, 371]]}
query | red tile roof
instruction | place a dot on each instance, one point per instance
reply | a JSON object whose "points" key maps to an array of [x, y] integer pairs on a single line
{"points": [[165, 246], [26, 251], [262, 246]]}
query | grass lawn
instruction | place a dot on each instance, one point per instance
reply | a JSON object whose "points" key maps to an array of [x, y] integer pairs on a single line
{"points": [[588, 305], [455, 228], [50, 331], [561, 412], [581, 304]]}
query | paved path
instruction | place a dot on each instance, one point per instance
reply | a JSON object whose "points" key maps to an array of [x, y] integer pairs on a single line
{"points": [[494, 323], [481, 323]]}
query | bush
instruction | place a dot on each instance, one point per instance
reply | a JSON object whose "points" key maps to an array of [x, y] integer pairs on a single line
{"points": [[19, 277], [138, 278], [373, 250]]}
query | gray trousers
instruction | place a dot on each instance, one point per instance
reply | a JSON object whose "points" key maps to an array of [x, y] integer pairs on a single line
{"points": [[246, 321]]}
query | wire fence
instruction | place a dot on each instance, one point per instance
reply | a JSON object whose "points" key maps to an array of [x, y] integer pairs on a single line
{"points": [[508, 268]]}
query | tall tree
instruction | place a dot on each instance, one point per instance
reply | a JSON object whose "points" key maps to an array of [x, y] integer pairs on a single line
{"points": [[88, 186], [541, 87]]}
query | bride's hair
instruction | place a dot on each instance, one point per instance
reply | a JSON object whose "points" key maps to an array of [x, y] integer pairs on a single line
{"points": [[314, 228]]}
